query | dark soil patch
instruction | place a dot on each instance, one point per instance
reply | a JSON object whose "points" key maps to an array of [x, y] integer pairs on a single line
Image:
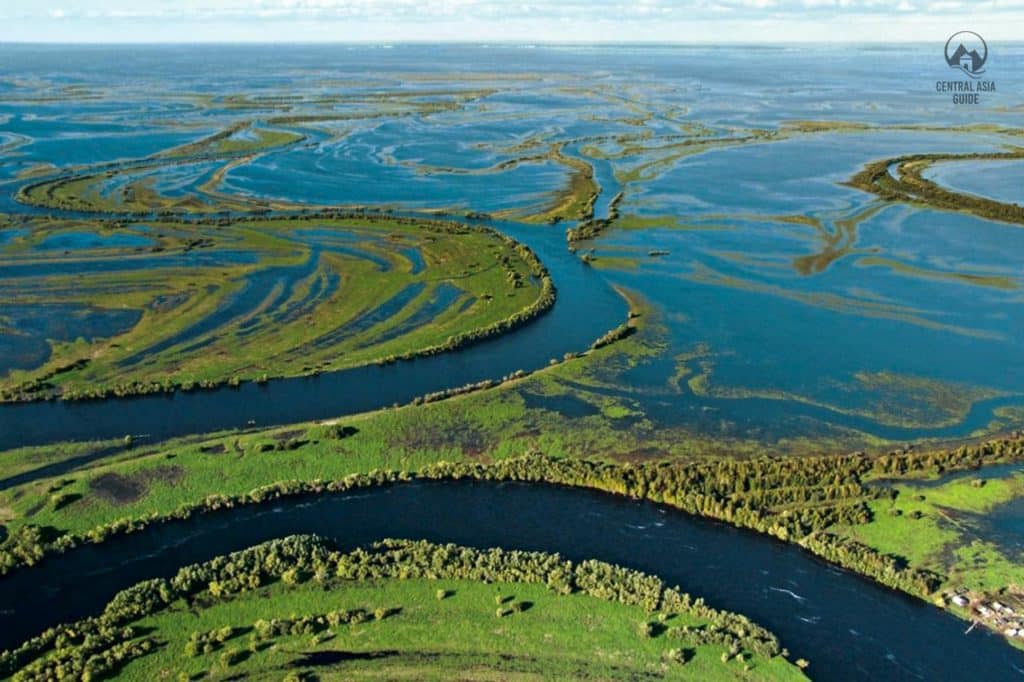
{"points": [[474, 443], [117, 488], [120, 489], [35, 508], [640, 455], [321, 658], [215, 449]]}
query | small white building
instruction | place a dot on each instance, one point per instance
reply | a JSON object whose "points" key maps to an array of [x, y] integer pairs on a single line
{"points": [[960, 600]]}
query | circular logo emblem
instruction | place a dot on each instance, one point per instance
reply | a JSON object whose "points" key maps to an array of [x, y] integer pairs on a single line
{"points": [[967, 52]]}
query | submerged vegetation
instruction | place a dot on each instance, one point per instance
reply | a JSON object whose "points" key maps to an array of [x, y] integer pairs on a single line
{"points": [[811, 500], [225, 301], [949, 524], [184, 268]]}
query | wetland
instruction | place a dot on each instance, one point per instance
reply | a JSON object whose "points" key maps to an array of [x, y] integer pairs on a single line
{"points": [[243, 305]]}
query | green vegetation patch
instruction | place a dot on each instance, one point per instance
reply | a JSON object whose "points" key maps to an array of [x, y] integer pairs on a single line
{"points": [[937, 528], [226, 301], [902, 179], [296, 608]]}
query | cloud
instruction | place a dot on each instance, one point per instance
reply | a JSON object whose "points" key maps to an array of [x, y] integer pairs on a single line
{"points": [[524, 20]]}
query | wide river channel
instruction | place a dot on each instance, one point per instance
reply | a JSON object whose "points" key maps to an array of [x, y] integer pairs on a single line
{"points": [[847, 626]]}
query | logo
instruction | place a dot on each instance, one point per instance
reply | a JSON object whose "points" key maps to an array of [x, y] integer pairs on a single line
{"points": [[967, 51]]}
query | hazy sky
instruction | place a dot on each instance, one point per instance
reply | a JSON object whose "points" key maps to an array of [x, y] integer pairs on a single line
{"points": [[687, 21]]}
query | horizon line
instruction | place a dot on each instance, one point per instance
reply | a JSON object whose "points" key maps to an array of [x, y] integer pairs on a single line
{"points": [[486, 43]]}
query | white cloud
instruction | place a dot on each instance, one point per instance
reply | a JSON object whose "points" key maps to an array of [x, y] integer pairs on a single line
{"points": [[529, 20]]}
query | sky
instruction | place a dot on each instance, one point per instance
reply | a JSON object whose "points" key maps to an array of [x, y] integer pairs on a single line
{"points": [[522, 21]]}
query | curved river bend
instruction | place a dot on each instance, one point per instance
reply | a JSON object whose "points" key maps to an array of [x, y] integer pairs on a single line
{"points": [[585, 308], [848, 627]]}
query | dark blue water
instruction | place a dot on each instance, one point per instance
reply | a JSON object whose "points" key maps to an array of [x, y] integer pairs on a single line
{"points": [[848, 627], [787, 348], [1002, 526]]}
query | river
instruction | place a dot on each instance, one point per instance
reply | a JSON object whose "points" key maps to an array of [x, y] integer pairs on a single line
{"points": [[848, 627], [585, 308]]}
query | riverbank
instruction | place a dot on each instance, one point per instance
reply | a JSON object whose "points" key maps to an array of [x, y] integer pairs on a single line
{"points": [[798, 500], [952, 524], [84, 494], [299, 606], [694, 404], [846, 626], [266, 299]]}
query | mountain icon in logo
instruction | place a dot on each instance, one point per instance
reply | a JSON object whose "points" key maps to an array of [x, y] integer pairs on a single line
{"points": [[969, 53]]}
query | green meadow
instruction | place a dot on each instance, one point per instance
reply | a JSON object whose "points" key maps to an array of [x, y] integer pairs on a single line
{"points": [[293, 609]]}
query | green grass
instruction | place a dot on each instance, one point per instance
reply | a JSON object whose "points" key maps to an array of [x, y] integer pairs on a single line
{"points": [[260, 140], [515, 418], [401, 609], [508, 421], [920, 540], [558, 637], [258, 343], [932, 528]]}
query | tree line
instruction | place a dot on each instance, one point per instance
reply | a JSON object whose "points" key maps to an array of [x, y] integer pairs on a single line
{"points": [[792, 499], [98, 645], [910, 185]]}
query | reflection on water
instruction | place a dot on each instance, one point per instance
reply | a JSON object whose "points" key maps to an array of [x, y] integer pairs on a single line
{"points": [[999, 180], [26, 332], [820, 312]]}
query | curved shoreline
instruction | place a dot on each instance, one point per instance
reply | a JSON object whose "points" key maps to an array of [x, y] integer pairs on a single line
{"points": [[300, 562], [585, 308], [544, 301], [677, 486], [250, 395], [577, 523], [901, 179]]}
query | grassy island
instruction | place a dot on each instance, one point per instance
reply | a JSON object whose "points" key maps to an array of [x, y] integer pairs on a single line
{"points": [[157, 273], [224, 301], [296, 609]]}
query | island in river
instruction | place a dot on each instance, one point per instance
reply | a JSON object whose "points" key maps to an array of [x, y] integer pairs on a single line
{"points": [[557, 266]]}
